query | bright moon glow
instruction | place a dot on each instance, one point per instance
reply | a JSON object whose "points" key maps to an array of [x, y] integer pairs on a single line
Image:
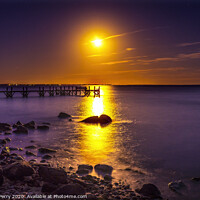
{"points": [[97, 42]]}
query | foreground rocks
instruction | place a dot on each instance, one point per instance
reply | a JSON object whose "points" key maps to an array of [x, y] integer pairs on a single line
{"points": [[103, 119], [19, 177]]}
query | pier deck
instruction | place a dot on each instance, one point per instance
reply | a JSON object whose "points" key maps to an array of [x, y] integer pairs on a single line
{"points": [[51, 90]]}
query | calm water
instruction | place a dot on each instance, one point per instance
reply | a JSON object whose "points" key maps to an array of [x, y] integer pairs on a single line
{"points": [[155, 132]]}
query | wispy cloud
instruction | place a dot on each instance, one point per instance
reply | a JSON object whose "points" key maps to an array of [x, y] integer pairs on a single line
{"points": [[179, 57], [124, 34], [188, 44], [116, 62], [130, 49]]}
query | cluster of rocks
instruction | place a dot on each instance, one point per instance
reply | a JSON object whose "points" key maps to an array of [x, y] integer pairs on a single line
{"points": [[18, 176], [20, 128]]}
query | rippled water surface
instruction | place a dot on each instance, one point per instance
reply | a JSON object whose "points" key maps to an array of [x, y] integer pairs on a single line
{"points": [[155, 132]]}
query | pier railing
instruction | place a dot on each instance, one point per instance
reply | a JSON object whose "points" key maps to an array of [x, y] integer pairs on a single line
{"points": [[51, 90]]}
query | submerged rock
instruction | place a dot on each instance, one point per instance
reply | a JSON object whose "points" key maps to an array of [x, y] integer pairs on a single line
{"points": [[64, 115], [53, 175], [17, 170], [30, 125], [8, 139], [87, 167], [31, 147], [103, 119], [43, 127], [7, 133], [70, 189], [46, 157], [3, 141], [14, 149], [149, 190], [21, 129], [176, 185], [29, 153], [103, 169], [195, 179], [46, 150]]}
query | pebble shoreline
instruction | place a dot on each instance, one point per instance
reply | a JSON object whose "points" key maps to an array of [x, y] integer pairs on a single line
{"points": [[32, 180]]}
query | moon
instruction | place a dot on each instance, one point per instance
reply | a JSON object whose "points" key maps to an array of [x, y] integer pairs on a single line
{"points": [[97, 42]]}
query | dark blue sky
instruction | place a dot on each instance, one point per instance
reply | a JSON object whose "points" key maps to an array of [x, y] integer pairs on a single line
{"points": [[149, 42]]}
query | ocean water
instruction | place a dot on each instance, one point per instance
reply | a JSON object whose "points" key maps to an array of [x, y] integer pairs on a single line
{"points": [[155, 133]]}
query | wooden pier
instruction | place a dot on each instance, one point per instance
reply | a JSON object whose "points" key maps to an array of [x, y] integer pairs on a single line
{"points": [[52, 90]]}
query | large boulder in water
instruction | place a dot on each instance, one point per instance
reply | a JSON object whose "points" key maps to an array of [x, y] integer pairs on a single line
{"points": [[103, 119], [92, 120], [64, 115]]}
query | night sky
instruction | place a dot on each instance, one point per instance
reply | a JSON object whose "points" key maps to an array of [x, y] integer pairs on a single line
{"points": [[143, 42]]}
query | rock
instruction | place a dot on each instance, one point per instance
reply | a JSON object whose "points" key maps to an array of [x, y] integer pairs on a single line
{"points": [[19, 158], [17, 170], [93, 120], [82, 172], [5, 127], [105, 169], [14, 149], [5, 151], [42, 161], [20, 149], [31, 147], [195, 179], [48, 188], [7, 133], [33, 160], [46, 150], [176, 185], [43, 127], [64, 115], [3, 141], [46, 157], [30, 125], [19, 123], [70, 189], [53, 175], [87, 167], [149, 190], [21, 129], [1, 177], [70, 120], [29, 153], [103, 119], [108, 178], [8, 139]]}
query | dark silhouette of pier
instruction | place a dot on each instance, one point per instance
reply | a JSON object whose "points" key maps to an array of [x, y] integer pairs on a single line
{"points": [[51, 90]]}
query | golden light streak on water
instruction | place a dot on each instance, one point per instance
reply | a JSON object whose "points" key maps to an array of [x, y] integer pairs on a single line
{"points": [[96, 142]]}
